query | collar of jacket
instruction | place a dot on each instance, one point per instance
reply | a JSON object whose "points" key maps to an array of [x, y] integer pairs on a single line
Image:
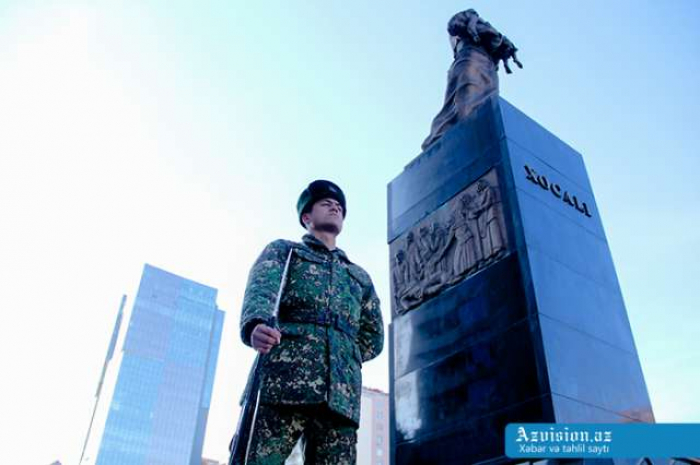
{"points": [[316, 245]]}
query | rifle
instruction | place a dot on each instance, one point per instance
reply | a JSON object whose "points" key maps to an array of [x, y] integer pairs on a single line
{"points": [[240, 443]]}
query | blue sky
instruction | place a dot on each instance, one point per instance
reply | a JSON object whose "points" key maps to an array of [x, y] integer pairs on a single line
{"points": [[181, 133]]}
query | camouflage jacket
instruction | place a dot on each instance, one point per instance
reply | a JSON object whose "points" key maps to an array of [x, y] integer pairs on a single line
{"points": [[330, 322]]}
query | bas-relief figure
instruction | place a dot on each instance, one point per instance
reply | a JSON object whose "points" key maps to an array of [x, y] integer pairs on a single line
{"points": [[458, 239], [473, 77], [487, 214], [467, 251]]}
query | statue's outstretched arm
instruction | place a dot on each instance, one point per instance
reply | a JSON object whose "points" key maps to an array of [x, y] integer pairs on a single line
{"points": [[506, 51], [472, 26]]}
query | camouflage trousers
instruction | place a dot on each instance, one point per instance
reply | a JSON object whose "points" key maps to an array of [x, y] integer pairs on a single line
{"points": [[329, 438]]}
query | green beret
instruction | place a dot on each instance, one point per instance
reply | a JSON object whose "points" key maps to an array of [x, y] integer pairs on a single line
{"points": [[319, 190]]}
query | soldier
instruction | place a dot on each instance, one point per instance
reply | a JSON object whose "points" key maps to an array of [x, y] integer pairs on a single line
{"points": [[329, 324]]}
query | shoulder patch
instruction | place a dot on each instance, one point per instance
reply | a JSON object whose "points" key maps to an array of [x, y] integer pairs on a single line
{"points": [[281, 247], [360, 274], [282, 244]]}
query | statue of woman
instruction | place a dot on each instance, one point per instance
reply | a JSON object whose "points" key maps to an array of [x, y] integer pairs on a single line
{"points": [[473, 77]]}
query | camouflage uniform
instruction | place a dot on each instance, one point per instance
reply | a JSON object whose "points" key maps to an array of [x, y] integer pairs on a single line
{"points": [[330, 439], [330, 322]]}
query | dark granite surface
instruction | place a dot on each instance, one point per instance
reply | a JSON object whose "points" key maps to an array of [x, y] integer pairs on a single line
{"points": [[541, 335]]}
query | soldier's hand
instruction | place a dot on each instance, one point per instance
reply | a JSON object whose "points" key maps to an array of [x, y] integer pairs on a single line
{"points": [[263, 338]]}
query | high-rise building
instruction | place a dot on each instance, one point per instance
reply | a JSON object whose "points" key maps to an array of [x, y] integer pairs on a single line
{"points": [[373, 434], [156, 391]]}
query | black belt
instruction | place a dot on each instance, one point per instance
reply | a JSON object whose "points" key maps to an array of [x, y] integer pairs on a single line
{"points": [[332, 320]]}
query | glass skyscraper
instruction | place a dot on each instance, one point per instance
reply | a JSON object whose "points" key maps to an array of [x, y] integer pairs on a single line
{"points": [[161, 392]]}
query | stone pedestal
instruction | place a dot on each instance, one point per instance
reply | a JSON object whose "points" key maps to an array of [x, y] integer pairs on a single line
{"points": [[506, 306]]}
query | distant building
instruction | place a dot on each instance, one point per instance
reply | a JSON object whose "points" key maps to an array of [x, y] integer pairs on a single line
{"points": [[296, 457], [157, 390], [211, 462], [373, 434]]}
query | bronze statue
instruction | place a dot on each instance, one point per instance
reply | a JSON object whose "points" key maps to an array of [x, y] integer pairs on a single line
{"points": [[473, 77]]}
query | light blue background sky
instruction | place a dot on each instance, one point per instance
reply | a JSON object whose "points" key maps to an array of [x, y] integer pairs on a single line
{"points": [[181, 133]]}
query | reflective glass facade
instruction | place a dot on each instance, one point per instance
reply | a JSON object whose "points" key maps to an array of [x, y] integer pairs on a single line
{"points": [[159, 408]]}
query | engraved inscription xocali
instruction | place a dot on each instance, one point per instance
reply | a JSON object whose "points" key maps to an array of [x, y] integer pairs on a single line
{"points": [[458, 239], [556, 190]]}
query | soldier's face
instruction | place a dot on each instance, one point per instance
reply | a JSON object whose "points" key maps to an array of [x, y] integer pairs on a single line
{"points": [[326, 215]]}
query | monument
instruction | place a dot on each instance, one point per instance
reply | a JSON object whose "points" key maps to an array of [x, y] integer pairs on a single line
{"points": [[506, 306]]}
